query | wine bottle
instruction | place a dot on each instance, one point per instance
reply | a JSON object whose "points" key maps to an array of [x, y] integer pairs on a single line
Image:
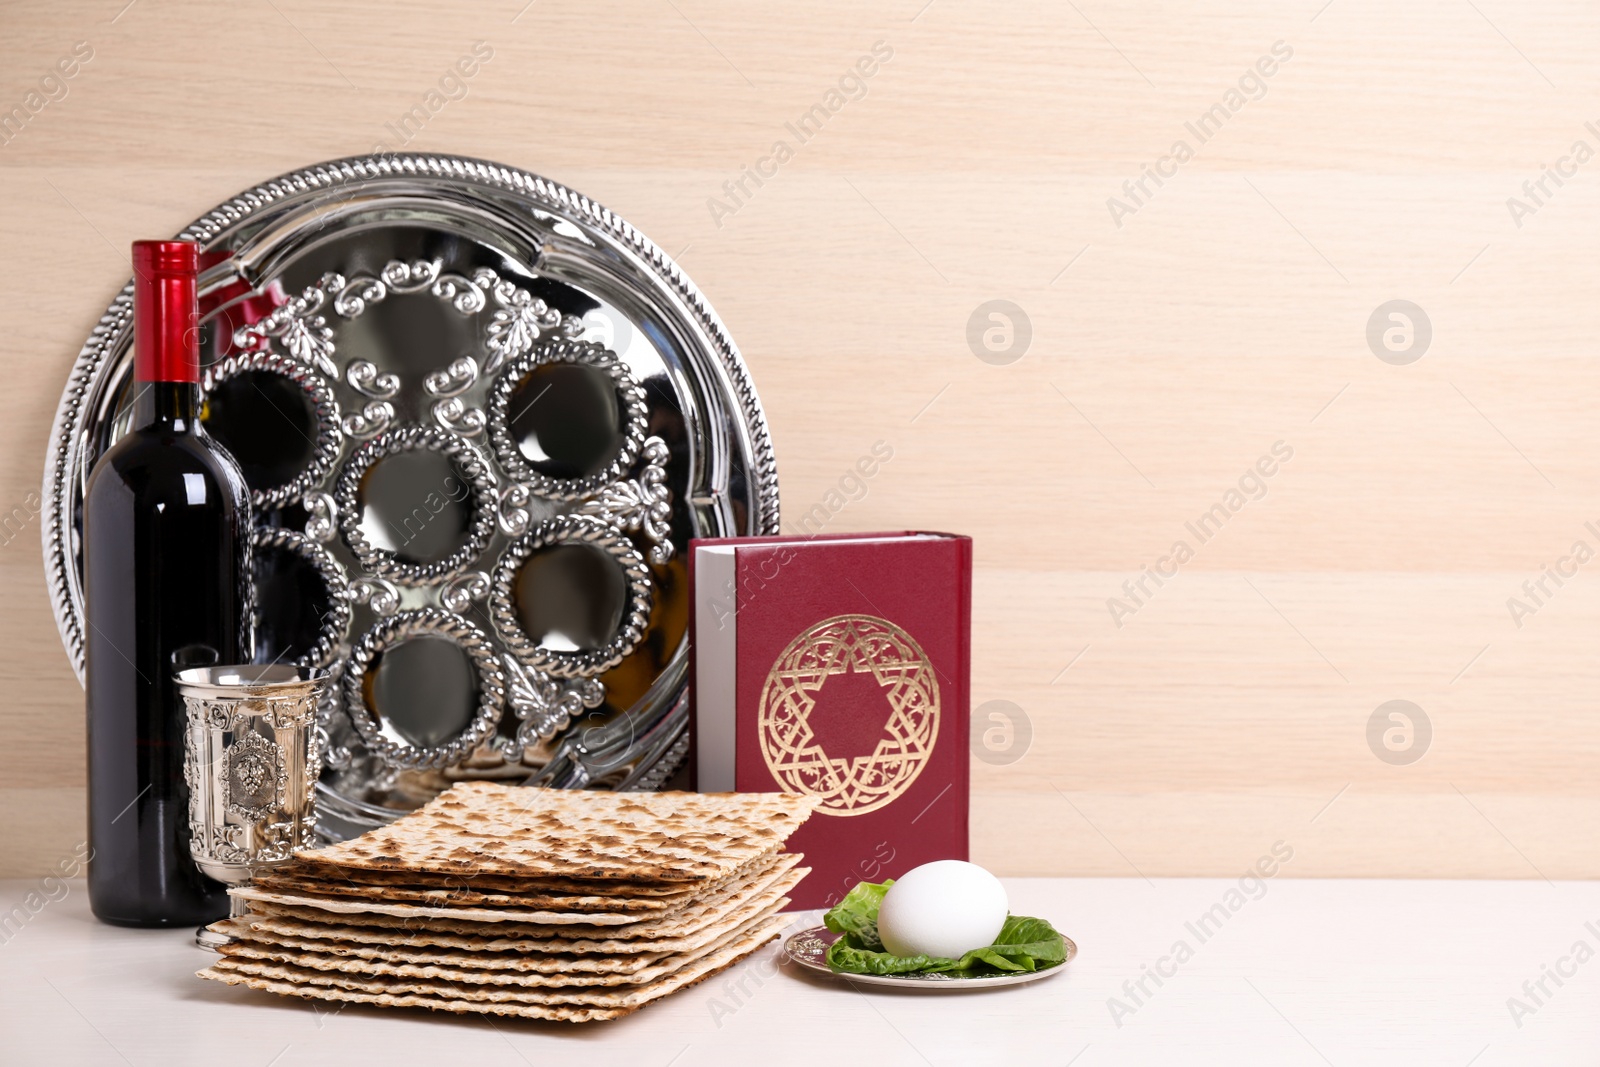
{"points": [[166, 533]]}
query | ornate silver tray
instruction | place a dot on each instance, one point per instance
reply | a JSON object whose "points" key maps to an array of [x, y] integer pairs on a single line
{"points": [[480, 416]]}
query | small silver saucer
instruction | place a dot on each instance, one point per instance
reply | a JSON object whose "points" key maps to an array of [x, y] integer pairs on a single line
{"points": [[809, 949]]}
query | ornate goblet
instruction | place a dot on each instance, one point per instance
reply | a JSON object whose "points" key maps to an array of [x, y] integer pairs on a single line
{"points": [[251, 762]]}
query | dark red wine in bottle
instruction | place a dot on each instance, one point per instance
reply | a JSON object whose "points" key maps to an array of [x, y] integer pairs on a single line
{"points": [[166, 533]]}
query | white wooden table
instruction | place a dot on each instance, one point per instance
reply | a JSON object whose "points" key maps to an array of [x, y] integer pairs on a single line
{"points": [[1306, 972]]}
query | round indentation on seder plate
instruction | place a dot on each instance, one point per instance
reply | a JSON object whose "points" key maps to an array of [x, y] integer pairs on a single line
{"points": [[416, 505], [301, 611], [424, 688], [277, 418], [567, 419], [571, 597]]}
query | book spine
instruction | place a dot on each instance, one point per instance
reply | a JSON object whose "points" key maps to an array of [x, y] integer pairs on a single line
{"points": [[963, 694]]}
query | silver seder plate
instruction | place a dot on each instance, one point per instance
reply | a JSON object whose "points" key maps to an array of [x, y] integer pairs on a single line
{"points": [[809, 949], [481, 416]]}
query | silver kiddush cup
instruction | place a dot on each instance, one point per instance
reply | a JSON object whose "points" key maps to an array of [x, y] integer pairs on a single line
{"points": [[251, 762]]}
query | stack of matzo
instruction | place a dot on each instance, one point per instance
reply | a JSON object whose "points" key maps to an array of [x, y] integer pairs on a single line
{"points": [[548, 904]]}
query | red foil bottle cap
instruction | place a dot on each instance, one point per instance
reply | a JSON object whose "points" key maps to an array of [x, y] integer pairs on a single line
{"points": [[166, 318]]}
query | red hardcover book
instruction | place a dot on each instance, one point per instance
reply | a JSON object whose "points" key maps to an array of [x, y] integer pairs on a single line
{"points": [[838, 666]]}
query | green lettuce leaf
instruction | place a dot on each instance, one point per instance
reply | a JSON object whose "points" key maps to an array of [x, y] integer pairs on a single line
{"points": [[843, 956], [1023, 944], [857, 914]]}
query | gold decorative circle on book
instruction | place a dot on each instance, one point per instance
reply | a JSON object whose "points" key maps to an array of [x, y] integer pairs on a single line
{"points": [[820, 725]]}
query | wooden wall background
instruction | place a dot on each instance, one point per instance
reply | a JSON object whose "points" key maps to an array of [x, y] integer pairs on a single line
{"points": [[1227, 313]]}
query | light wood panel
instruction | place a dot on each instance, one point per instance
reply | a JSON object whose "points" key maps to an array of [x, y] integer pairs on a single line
{"points": [[1228, 313]]}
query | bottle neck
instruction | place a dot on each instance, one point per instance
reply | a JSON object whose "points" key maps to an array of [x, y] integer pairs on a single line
{"points": [[165, 405], [166, 312]]}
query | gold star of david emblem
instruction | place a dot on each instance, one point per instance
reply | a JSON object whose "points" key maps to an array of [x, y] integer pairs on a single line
{"points": [[799, 760]]}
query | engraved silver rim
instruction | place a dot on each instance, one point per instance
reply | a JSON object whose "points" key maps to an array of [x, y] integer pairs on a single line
{"points": [[395, 630], [571, 529], [580, 353], [336, 623], [384, 562], [323, 406]]}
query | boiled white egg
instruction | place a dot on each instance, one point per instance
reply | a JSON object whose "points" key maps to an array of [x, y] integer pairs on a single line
{"points": [[945, 908]]}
